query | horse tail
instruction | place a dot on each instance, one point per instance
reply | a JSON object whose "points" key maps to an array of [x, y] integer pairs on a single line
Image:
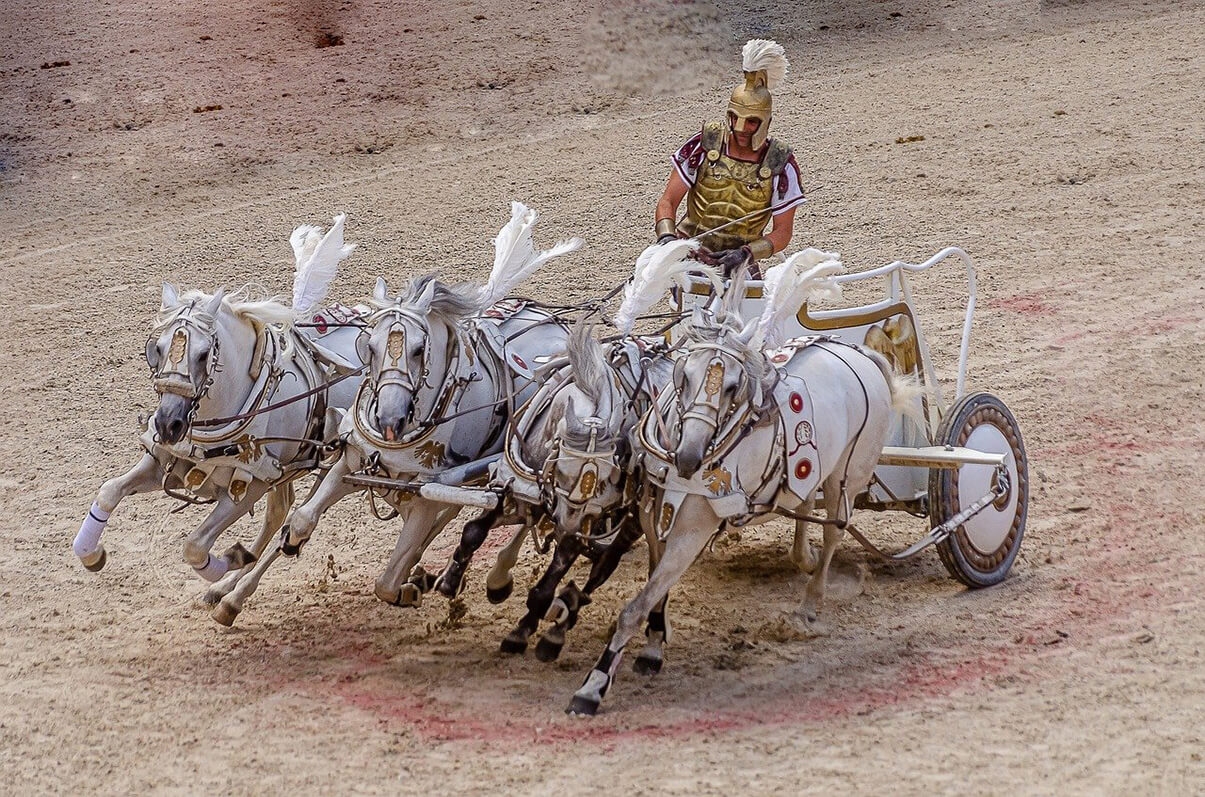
{"points": [[905, 388]]}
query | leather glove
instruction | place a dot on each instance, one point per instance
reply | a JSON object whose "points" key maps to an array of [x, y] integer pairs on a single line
{"points": [[729, 260], [666, 238]]}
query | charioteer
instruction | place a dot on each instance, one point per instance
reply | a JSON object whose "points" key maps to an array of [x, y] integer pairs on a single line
{"points": [[734, 177]]}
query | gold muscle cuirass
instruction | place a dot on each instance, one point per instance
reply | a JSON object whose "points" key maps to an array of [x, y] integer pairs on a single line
{"points": [[727, 189]]}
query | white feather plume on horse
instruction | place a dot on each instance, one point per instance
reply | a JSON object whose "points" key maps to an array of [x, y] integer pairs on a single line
{"points": [[659, 268], [515, 256], [759, 54], [804, 276], [318, 257]]}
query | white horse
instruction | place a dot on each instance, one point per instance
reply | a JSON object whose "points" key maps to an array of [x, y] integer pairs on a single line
{"points": [[564, 479], [564, 473], [744, 434], [447, 367], [244, 396]]}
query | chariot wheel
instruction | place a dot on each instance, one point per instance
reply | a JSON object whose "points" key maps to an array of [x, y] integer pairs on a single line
{"points": [[981, 551]]}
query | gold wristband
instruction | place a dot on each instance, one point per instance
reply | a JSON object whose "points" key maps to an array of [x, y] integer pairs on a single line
{"points": [[666, 227], [761, 248]]}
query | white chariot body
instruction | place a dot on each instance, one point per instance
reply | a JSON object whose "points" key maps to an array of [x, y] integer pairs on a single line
{"points": [[966, 468]]}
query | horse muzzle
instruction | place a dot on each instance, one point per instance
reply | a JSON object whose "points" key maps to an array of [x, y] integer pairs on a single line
{"points": [[172, 418], [687, 463]]}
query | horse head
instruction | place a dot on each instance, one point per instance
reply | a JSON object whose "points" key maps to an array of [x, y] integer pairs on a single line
{"points": [[201, 353], [183, 352], [718, 378], [585, 471], [405, 344]]}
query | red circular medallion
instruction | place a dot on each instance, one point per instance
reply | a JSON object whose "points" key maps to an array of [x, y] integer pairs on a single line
{"points": [[796, 402], [803, 468]]}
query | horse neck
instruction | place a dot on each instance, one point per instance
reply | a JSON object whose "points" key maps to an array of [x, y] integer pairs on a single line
{"points": [[443, 350], [232, 384]]}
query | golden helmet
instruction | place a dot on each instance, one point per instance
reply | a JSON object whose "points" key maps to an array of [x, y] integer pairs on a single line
{"points": [[765, 64]]}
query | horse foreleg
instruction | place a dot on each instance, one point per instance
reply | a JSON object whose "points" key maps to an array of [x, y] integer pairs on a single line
{"points": [[802, 553], [280, 500], [563, 615], [224, 514], [656, 632], [246, 581], [422, 524], [833, 532], [232, 603], [145, 476], [472, 537], [498, 581], [301, 524], [687, 538], [604, 566], [569, 602], [539, 600]]}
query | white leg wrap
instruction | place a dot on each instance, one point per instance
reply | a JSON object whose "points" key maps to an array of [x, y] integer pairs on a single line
{"points": [[215, 568], [93, 526]]}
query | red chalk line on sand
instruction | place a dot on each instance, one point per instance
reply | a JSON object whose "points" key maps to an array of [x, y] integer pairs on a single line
{"points": [[367, 686]]}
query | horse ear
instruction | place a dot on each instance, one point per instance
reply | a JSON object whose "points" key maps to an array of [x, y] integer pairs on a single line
{"points": [[171, 297], [215, 304], [423, 302], [572, 422], [380, 290], [750, 328]]}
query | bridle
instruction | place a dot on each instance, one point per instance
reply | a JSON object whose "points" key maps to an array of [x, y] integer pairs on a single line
{"points": [[706, 405], [174, 373], [394, 363], [598, 461]]}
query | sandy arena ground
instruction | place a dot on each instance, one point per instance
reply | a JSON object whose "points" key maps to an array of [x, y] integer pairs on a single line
{"points": [[1060, 143]]}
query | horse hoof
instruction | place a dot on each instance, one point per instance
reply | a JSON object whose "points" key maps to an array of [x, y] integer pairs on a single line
{"points": [[501, 593], [385, 594], [646, 665], [557, 612], [212, 597], [448, 585], [513, 646], [582, 707], [422, 580], [410, 596], [224, 614], [95, 561], [547, 650], [238, 556]]}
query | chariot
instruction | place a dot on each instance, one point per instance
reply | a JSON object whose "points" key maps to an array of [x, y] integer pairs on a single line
{"points": [[963, 464]]}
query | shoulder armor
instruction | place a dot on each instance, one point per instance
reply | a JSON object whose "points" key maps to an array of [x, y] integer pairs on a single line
{"points": [[777, 155], [713, 136]]}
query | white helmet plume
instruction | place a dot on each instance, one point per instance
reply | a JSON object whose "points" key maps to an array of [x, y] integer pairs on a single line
{"points": [[764, 54]]}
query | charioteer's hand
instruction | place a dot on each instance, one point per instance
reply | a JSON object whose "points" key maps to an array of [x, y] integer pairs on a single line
{"points": [[729, 260]]}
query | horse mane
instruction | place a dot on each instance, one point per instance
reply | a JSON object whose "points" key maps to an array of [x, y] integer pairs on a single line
{"points": [[728, 325], [450, 302], [588, 363], [250, 302]]}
